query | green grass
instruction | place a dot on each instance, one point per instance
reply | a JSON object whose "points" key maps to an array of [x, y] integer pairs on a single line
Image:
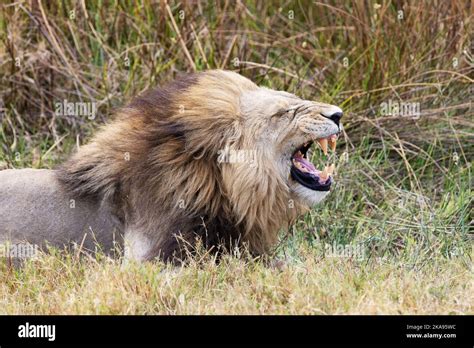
{"points": [[403, 198]]}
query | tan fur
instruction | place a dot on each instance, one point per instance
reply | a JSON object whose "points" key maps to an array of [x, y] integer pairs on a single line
{"points": [[157, 162]]}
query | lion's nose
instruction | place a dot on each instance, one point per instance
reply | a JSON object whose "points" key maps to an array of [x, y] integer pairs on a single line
{"points": [[335, 114], [336, 117]]}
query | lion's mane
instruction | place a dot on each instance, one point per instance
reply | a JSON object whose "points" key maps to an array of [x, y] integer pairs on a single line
{"points": [[157, 163]]}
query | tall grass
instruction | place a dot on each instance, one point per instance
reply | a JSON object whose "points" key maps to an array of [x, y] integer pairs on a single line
{"points": [[404, 182]]}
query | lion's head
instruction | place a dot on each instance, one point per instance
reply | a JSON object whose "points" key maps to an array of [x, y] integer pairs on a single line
{"points": [[281, 128], [213, 155]]}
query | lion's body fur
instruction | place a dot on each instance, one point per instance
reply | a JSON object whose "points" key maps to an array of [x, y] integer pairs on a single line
{"points": [[43, 212]]}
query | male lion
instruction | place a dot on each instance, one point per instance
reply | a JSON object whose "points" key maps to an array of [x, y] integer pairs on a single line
{"points": [[209, 157]]}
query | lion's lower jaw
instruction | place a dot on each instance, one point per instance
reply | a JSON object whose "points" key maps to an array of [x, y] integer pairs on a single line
{"points": [[307, 196]]}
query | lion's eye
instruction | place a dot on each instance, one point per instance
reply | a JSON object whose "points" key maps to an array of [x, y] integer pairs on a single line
{"points": [[295, 111], [280, 113]]}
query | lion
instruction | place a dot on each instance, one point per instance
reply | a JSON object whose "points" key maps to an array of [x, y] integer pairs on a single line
{"points": [[209, 158]]}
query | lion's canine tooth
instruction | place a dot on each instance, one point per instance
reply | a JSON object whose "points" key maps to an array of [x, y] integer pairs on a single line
{"points": [[331, 169], [324, 145], [332, 142], [324, 174]]}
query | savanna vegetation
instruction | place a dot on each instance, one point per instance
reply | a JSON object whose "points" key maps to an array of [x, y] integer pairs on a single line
{"points": [[394, 236]]}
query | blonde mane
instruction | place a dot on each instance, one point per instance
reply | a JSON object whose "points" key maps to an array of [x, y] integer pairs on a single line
{"points": [[158, 163]]}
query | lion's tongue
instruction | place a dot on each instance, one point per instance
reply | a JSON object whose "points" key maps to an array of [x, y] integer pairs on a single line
{"points": [[306, 164]]}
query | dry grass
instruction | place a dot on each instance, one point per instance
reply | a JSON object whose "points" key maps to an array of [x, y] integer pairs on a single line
{"points": [[316, 286], [108, 52], [404, 186]]}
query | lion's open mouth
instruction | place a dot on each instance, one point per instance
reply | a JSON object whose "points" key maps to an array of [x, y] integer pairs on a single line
{"points": [[305, 173]]}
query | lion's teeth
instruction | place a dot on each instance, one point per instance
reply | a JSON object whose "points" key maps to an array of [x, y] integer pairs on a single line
{"points": [[332, 142], [324, 145], [324, 174], [299, 166], [331, 169]]}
